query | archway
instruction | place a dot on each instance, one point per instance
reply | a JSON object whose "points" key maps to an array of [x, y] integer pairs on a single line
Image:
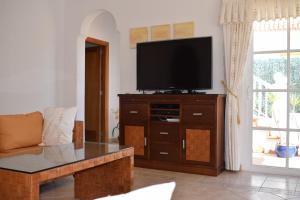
{"points": [[100, 25]]}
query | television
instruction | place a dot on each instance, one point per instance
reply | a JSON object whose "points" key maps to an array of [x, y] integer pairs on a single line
{"points": [[183, 64]]}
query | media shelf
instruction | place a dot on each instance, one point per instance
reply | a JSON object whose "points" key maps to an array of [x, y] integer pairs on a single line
{"points": [[175, 132], [165, 112], [160, 106]]}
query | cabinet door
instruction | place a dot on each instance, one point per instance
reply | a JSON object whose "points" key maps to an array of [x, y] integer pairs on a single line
{"points": [[197, 145], [136, 137]]}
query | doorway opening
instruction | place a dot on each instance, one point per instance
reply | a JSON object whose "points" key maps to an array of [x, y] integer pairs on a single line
{"points": [[96, 90]]}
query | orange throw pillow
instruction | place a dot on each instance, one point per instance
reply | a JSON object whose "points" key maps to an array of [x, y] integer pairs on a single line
{"points": [[18, 131]]}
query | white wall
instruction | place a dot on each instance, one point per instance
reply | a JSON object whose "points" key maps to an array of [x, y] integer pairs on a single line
{"points": [[27, 55], [205, 14], [42, 46], [136, 13], [103, 27]]}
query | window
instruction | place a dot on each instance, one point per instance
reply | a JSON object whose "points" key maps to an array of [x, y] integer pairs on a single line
{"points": [[276, 93]]}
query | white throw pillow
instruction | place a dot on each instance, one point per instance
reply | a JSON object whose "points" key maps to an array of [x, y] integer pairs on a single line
{"points": [[155, 192], [58, 125]]}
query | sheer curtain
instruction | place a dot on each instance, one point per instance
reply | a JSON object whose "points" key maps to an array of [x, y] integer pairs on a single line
{"points": [[237, 17], [236, 41]]}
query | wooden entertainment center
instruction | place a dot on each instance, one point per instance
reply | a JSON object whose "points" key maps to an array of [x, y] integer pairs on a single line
{"points": [[182, 132]]}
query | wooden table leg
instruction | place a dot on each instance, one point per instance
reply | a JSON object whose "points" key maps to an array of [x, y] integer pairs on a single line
{"points": [[113, 178], [18, 186]]}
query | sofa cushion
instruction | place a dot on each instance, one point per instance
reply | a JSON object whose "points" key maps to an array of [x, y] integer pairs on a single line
{"points": [[58, 125], [18, 131]]}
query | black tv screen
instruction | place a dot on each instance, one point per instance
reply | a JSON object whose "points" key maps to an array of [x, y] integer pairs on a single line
{"points": [[184, 64]]}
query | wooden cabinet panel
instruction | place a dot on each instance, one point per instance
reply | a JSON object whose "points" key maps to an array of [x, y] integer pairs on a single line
{"points": [[198, 114], [198, 145], [135, 136]]}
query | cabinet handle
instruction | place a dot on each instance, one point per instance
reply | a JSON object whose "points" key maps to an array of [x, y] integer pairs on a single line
{"points": [[163, 153], [183, 144], [133, 112], [145, 141], [197, 114], [163, 133]]}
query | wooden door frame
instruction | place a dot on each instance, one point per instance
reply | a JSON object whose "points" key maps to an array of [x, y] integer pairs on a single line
{"points": [[104, 85]]}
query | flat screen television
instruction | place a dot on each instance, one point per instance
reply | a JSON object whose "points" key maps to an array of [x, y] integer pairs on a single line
{"points": [[184, 64]]}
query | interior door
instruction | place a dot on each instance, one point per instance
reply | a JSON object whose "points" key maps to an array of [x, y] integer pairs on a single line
{"points": [[92, 93]]}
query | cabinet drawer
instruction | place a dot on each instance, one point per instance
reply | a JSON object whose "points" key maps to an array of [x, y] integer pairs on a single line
{"points": [[198, 114], [132, 113], [166, 152], [164, 132]]}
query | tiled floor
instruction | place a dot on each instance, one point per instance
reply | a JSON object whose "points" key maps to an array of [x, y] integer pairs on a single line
{"points": [[227, 186]]}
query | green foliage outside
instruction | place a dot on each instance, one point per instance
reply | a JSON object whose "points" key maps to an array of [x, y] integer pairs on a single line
{"points": [[265, 68]]}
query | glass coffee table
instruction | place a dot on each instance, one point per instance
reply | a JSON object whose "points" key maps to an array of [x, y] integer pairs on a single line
{"points": [[99, 170]]}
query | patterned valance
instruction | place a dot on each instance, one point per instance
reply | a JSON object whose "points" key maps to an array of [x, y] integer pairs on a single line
{"points": [[236, 11], [277, 25]]}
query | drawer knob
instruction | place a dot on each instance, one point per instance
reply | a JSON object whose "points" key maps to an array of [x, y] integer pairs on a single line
{"points": [[133, 112], [163, 153], [197, 114], [163, 133]]}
